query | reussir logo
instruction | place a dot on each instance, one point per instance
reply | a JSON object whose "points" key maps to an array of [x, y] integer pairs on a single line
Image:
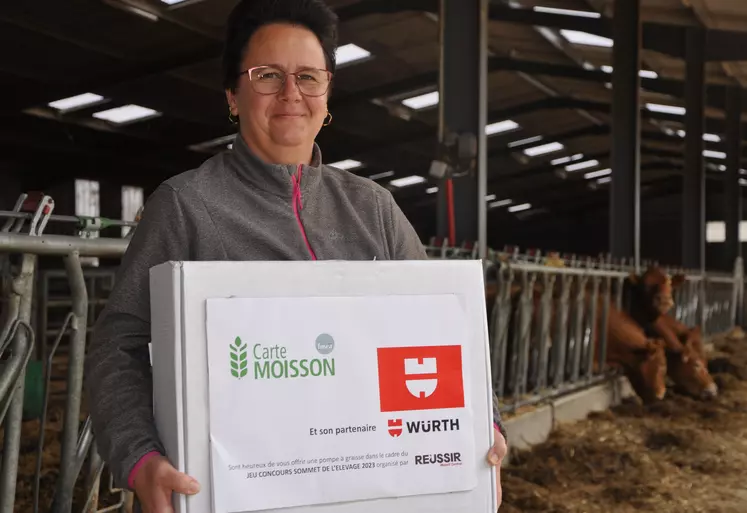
{"points": [[420, 378]]}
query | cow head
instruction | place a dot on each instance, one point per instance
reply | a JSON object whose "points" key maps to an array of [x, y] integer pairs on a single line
{"points": [[648, 374], [652, 292], [688, 367]]}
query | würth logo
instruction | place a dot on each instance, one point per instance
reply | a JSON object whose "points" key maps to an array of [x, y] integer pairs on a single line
{"points": [[420, 378], [422, 426], [395, 427]]}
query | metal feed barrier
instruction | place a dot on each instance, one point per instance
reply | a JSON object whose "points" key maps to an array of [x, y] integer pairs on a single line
{"points": [[534, 357], [21, 244]]}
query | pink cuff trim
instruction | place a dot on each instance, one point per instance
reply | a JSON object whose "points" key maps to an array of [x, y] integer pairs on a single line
{"points": [[140, 463], [495, 425]]}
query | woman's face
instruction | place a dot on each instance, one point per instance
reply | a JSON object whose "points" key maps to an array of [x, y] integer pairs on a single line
{"points": [[287, 119]]}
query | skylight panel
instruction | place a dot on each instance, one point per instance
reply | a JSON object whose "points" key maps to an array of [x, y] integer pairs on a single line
{"points": [[597, 174], [379, 176], [126, 114], [520, 208], [584, 38], [706, 137], [501, 203], [606, 179], [644, 73], [666, 109], [567, 12], [350, 53], [76, 102], [500, 126], [543, 149], [407, 181], [582, 165], [522, 142], [565, 160], [422, 101], [347, 164], [712, 154]]}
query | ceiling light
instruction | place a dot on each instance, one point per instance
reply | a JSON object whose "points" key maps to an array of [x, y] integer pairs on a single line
{"points": [[644, 73], [490, 197], [565, 160], [606, 179], [584, 38], [379, 176], [500, 126], [520, 208], [714, 154], [501, 203], [522, 142], [722, 167], [407, 181], [172, 2], [126, 114], [431, 190], [422, 101], [543, 149], [597, 174], [666, 109], [582, 165], [76, 102], [706, 137], [347, 164], [219, 141], [567, 12], [347, 54], [742, 181]]}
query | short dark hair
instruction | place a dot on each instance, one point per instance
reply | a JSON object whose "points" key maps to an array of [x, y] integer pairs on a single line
{"points": [[249, 15]]}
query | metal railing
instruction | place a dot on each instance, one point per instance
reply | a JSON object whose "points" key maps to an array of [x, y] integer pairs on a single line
{"points": [[21, 243], [542, 325]]}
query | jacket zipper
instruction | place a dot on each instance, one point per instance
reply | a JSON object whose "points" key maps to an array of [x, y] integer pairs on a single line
{"points": [[298, 206]]}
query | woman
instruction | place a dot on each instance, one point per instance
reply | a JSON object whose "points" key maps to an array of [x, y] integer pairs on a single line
{"points": [[269, 198]]}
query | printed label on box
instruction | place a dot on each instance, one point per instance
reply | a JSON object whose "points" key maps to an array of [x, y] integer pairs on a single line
{"points": [[321, 400]]}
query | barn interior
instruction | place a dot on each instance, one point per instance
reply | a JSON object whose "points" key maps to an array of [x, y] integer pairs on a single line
{"points": [[547, 83]]}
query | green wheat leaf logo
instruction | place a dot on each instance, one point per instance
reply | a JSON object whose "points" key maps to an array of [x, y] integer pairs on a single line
{"points": [[239, 363]]}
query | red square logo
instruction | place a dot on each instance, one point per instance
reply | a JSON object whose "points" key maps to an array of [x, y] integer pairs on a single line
{"points": [[420, 378]]}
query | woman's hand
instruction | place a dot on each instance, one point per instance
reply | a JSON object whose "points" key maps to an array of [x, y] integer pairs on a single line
{"points": [[155, 482], [495, 458]]}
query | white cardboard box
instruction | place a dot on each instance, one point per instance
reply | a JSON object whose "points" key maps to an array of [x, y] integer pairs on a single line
{"points": [[390, 305]]}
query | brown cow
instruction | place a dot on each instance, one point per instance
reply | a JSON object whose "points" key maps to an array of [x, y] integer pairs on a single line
{"points": [[686, 358], [642, 360], [648, 299], [648, 296]]}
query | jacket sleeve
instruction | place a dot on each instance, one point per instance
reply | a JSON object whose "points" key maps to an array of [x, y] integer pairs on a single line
{"points": [[118, 370], [405, 245]]}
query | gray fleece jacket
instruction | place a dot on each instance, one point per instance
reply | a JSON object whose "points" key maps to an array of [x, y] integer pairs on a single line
{"points": [[233, 207]]}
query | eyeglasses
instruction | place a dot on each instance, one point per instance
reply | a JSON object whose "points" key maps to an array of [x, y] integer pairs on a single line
{"points": [[270, 80]]}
